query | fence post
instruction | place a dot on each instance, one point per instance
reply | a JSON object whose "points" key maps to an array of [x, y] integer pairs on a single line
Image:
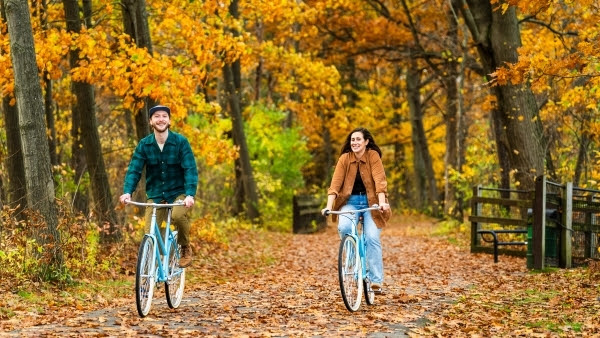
{"points": [[589, 236], [566, 254], [476, 210], [539, 223]]}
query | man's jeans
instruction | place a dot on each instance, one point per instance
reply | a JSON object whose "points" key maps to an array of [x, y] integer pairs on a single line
{"points": [[373, 243]]}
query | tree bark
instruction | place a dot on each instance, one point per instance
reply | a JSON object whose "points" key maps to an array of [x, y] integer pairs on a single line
{"points": [[454, 120], [85, 106], [135, 23], [232, 78], [426, 190], [30, 105], [582, 155], [497, 36], [400, 183], [17, 192], [239, 139]]}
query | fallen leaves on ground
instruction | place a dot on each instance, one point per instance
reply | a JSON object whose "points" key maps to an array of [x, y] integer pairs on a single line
{"points": [[275, 284]]}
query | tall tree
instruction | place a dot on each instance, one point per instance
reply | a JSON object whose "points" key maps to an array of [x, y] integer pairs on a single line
{"points": [[497, 36], [426, 188], [135, 23], [84, 107], [30, 105], [41, 13], [232, 78], [17, 193], [454, 116]]}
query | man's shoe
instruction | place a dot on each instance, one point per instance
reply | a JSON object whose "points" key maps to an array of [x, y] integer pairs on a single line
{"points": [[186, 257], [376, 287]]}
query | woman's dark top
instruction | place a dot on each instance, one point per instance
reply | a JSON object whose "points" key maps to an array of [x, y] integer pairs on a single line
{"points": [[359, 186]]}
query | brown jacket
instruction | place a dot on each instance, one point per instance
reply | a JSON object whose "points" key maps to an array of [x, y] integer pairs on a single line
{"points": [[373, 177]]}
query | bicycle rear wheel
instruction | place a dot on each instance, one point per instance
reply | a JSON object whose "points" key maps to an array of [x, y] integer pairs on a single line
{"points": [[145, 276], [369, 294], [350, 273], [176, 279]]}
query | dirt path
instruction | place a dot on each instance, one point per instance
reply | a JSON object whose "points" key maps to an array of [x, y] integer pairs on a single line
{"points": [[298, 294]]}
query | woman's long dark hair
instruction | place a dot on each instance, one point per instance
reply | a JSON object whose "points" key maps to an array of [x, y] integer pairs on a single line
{"points": [[346, 148]]}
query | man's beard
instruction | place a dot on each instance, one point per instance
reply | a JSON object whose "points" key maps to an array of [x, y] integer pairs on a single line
{"points": [[159, 130]]}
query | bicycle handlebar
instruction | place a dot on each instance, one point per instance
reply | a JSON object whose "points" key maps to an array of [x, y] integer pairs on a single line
{"points": [[156, 205], [331, 212]]}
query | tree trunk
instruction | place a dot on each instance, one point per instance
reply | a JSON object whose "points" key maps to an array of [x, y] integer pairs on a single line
{"points": [[400, 182], [239, 139], [81, 198], [454, 122], [582, 157], [85, 105], [497, 36], [30, 105], [135, 23], [426, 189], [452, 161], [232, 78], [17, 193], [49, 107], [419, 186], [48, 101]]}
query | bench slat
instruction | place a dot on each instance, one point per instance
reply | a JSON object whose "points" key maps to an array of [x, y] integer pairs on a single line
{"points": [[502, 201], [504, 231], [504, 221]]}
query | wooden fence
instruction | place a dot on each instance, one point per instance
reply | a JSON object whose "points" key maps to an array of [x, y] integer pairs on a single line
{"points": [[562, 223]]}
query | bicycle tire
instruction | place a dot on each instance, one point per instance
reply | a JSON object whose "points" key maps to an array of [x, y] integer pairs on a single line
{"points": [[369, 293], [175, 283], [350, 273], [145, 276]]}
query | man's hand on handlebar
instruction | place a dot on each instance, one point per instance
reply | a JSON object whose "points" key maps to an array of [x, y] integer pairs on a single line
{"points": [[188, 201], [125, 198]]}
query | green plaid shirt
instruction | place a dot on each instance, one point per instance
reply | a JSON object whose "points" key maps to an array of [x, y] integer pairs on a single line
{"points": [[169, 173]]}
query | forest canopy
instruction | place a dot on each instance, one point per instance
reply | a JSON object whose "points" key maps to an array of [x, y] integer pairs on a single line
{"points": [[457, 93]]}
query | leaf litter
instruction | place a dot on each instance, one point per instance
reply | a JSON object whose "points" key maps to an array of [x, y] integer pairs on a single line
{"points": [[277, 284]]}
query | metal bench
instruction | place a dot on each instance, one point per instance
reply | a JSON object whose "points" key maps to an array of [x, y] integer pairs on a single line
{"points": [[497, 243]]}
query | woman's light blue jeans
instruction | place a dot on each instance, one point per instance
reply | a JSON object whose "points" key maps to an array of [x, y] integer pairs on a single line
{"points": [[372, 232]]}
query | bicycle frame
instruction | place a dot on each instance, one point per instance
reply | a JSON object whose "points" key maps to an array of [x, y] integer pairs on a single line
{"points": [[163, 248], [359, 234]]}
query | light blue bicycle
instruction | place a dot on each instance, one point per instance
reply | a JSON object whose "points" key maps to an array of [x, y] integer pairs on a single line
{"points": [[158, 261], [352, 263]]}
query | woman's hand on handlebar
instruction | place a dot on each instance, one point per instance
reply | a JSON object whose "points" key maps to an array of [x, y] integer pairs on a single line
{"points": [[384, 206], [325, 211]]}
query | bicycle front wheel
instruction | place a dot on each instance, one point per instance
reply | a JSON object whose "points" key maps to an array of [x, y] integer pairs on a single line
{"points": [[350, 273], [145, 276], [176, 279]]}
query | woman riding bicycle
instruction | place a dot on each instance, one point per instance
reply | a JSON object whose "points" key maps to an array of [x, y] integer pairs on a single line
{"points": [[359, 181]]}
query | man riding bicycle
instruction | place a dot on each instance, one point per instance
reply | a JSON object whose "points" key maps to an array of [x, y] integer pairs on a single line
{"points": [[171, 174]]}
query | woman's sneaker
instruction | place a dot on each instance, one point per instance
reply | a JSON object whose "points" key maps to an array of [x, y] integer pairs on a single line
{"points": [[376, 287]]}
